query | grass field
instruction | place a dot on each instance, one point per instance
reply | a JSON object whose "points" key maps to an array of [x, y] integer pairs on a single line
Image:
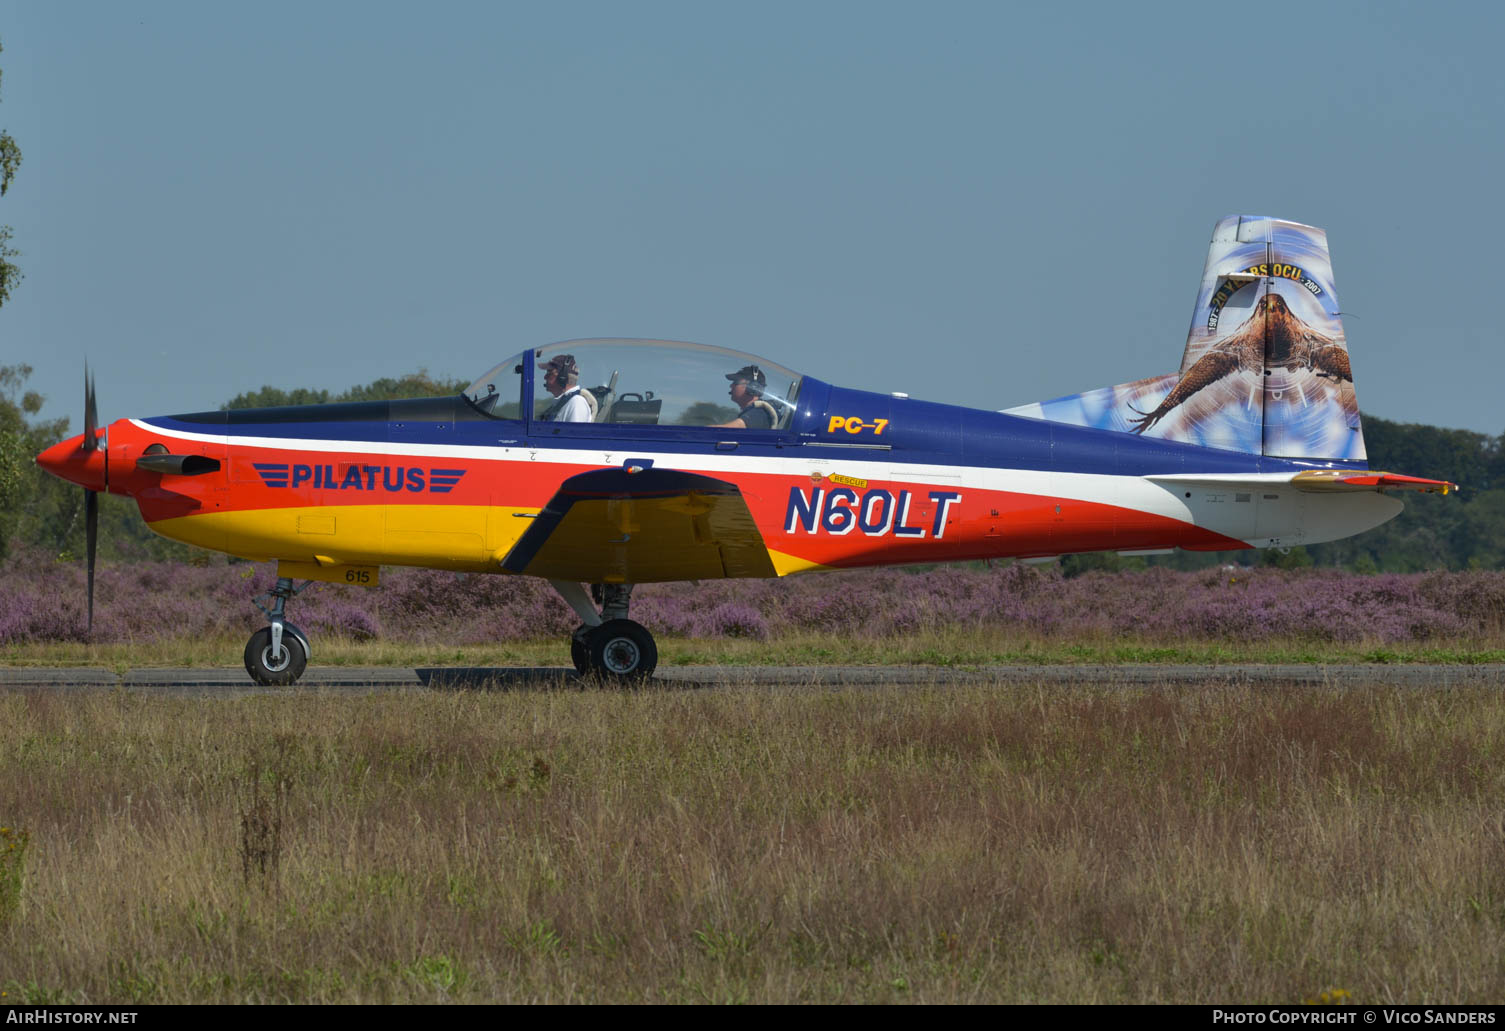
{"points": [[1097, 842], [942, 647]]}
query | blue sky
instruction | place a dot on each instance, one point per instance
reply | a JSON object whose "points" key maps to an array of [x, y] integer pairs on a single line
{"points": [[980, 203]]}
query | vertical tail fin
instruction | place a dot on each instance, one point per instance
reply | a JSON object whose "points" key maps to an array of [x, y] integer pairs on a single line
{"points": [[1266, 368], [1268, 310]]}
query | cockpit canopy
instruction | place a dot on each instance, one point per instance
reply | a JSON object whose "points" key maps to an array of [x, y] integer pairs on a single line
{"points": [[640, 382]]}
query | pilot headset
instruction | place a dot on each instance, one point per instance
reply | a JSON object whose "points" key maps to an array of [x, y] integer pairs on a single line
{"points": [[752, 375]]}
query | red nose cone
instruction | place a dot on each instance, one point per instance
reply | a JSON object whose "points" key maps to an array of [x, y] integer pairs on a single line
{"points": [[69, 461]]}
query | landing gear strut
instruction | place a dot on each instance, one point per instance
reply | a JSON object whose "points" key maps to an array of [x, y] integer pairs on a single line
{"points": [[277, 654], [608, 645]]}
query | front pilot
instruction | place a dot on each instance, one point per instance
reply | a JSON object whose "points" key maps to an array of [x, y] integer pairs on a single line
{"points": [[561, 376]]}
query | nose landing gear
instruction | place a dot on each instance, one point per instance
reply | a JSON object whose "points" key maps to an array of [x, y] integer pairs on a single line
{"points": [[608, 645], [277, 655]]}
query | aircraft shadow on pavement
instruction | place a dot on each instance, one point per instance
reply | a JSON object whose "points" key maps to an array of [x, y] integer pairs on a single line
{"points": [[528, 678]]}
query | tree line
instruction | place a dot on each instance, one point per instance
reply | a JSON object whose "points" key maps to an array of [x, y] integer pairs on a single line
{"points": [[1465, 530]]}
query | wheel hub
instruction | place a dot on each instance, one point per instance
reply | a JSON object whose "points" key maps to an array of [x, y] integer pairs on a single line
{"points": [[621, 655]]}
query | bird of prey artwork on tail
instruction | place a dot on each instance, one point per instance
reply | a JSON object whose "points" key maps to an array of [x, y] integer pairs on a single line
{"points": [[1273, 337], [1266, 367]]}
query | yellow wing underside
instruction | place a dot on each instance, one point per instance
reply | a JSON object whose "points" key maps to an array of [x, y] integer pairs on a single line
{"points": [[646, 529]]}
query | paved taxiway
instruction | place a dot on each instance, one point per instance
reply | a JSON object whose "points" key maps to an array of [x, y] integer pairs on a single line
{"points": [[355, 679]]}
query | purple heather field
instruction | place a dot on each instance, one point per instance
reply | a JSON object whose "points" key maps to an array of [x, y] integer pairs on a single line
{"points": [[44, 601]]}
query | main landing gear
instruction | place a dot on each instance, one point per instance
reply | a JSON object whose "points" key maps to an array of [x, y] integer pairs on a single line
{"points": [[277, 654], [608, 645]]}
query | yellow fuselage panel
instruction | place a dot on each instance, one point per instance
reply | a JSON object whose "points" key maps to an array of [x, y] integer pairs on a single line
{"points": [[469, 538]]}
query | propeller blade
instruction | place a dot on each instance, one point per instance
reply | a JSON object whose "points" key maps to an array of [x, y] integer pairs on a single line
{"points": [[91, 417], [91, 531]]}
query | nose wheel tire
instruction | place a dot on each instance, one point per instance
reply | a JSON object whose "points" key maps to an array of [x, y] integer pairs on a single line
{"points": [[580, 653], [621, 650], [279, 669]]}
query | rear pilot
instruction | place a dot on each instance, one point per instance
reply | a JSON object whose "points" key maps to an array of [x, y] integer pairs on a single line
{"points": [[747, 392]]}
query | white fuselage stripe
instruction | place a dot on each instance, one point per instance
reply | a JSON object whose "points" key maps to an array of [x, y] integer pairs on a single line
{"points": [[1296, 516], [1135, 492]]}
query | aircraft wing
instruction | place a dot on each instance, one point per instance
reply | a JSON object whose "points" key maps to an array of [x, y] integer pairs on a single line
{"points": [[642, 525], [1316, 480]]}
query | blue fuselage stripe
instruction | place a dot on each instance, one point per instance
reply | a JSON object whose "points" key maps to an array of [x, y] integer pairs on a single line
{"points": [[920, 432]]}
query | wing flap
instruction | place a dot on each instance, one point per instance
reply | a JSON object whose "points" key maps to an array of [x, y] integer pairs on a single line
{"points": [[642, 525]]}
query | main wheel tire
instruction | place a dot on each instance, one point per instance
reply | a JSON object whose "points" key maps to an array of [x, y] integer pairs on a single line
{"points": [[580, 652], [275, 670], [622, 650]]}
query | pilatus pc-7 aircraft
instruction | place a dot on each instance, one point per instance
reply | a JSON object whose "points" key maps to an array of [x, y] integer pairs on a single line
{"points": [[602, 464]]}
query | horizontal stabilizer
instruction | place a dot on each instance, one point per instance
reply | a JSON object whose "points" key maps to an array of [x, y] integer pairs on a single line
{"points": [[1311, 480], [1339, 479]]}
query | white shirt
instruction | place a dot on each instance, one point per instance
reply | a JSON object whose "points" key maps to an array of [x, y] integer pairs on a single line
{"points": [[575, 409]]}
